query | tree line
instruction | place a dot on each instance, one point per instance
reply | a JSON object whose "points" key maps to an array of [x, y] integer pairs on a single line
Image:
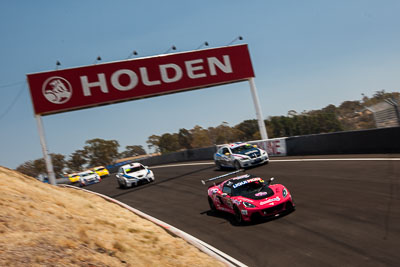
{"points": [[350, 115], [96, 152]]}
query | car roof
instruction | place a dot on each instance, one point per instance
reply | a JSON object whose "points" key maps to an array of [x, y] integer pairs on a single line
{"points": [[87, 171], [238, 179], [233, 145], [131, 165]]}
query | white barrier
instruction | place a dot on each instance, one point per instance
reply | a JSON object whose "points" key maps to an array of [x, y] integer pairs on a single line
{"points": [[274, 147], [204, 247]]}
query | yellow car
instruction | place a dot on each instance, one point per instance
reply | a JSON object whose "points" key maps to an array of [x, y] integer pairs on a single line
{"points": [[73, 177], [101, 171]]}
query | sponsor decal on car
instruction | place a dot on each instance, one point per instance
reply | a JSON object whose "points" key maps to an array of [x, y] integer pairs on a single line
{"points": [[240, 156], [214, 191], [261, 194], [270, 200], [237, 202], [247, 181], [241, 177], [249, 152]]}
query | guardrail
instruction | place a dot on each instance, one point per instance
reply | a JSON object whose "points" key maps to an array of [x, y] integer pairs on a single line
{"points": [[374, 141]]}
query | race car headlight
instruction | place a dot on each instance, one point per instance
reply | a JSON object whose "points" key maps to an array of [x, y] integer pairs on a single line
{"points": [[284, 192], [248, 205]]}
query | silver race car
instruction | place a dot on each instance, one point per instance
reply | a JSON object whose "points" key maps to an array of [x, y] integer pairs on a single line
{"points": [[239, 155], [134, 174]]}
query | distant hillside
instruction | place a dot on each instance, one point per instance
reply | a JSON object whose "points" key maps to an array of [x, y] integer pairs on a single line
{"points": [[348, 116], [353, 115]]}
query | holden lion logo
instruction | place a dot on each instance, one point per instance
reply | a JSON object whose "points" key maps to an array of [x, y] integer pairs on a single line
{"points": [[57, 90]]}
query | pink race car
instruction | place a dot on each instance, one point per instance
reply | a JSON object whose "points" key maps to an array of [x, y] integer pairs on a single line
{"points": [[249, 197]]}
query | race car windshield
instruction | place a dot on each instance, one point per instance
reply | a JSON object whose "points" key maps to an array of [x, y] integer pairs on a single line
{"points": [[134, 169], [248, 189], [242, 149]]}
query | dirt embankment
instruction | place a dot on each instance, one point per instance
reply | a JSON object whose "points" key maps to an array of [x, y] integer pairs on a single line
{"points": [[44, 225]]}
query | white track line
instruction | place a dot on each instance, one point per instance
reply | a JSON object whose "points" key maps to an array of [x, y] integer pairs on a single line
{"points": [[349, 159], [201, 245], [282, 160]]}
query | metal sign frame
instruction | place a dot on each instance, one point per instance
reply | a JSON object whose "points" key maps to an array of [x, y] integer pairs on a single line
{"points": [[53, 92]]}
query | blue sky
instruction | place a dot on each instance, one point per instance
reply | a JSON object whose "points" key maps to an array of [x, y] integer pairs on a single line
{"points": [[306, 55]]}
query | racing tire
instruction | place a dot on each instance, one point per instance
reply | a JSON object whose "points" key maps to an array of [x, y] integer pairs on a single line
{"points": [[238, 215], [219, 166], [236, 165], [290, 206], [120, 184], [212, 206]]}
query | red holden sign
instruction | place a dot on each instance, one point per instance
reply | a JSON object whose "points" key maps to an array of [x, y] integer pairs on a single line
{"points": [[83, 87]]}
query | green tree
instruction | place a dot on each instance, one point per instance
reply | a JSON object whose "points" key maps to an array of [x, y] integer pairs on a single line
{"points": [[169, 143], [200, 137], [36, 167], [132, 151], [101, 152], [153, 142], [185, 138], [248, 128], [223, 134], [40, 166], [59, 163], [76, 161], [28, 168]]}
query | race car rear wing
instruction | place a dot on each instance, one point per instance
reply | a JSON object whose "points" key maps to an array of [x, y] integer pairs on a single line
{"points": [[221, 176]]}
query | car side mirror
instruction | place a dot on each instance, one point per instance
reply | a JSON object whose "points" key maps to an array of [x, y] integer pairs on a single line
{"points": [[270, 180]]}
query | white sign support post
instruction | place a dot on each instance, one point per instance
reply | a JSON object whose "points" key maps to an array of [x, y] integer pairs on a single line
{"points": [[261, 124], [49, 165]]}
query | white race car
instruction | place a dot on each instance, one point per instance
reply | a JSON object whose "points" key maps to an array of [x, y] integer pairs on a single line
{"points": [[239, 155], [88, 177], [134, 174]]}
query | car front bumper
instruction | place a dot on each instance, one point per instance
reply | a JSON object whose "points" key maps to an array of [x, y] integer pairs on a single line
{"points": [[89, 182], [251, 214], [254, 161], [137, 181]]}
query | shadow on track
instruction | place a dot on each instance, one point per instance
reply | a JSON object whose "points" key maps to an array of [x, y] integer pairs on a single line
{"points": [[155, 183], [231, 218]]}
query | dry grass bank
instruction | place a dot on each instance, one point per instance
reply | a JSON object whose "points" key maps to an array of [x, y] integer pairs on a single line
{"points": [[44, 225]]}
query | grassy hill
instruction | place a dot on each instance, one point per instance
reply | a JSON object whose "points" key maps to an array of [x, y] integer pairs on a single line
{"points": [[45, 225]]}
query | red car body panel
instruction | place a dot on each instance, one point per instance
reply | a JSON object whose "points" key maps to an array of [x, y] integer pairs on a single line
{"points": [[274, 200]]}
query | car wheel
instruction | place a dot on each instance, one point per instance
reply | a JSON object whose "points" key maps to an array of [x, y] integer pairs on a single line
{"points": [[120, 184], [219, 166], [290, 206], [236, 165], [212, 206], [238, 215]]}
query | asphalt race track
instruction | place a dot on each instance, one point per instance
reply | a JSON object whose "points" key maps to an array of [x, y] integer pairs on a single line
{"points": [[347, 212]]}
